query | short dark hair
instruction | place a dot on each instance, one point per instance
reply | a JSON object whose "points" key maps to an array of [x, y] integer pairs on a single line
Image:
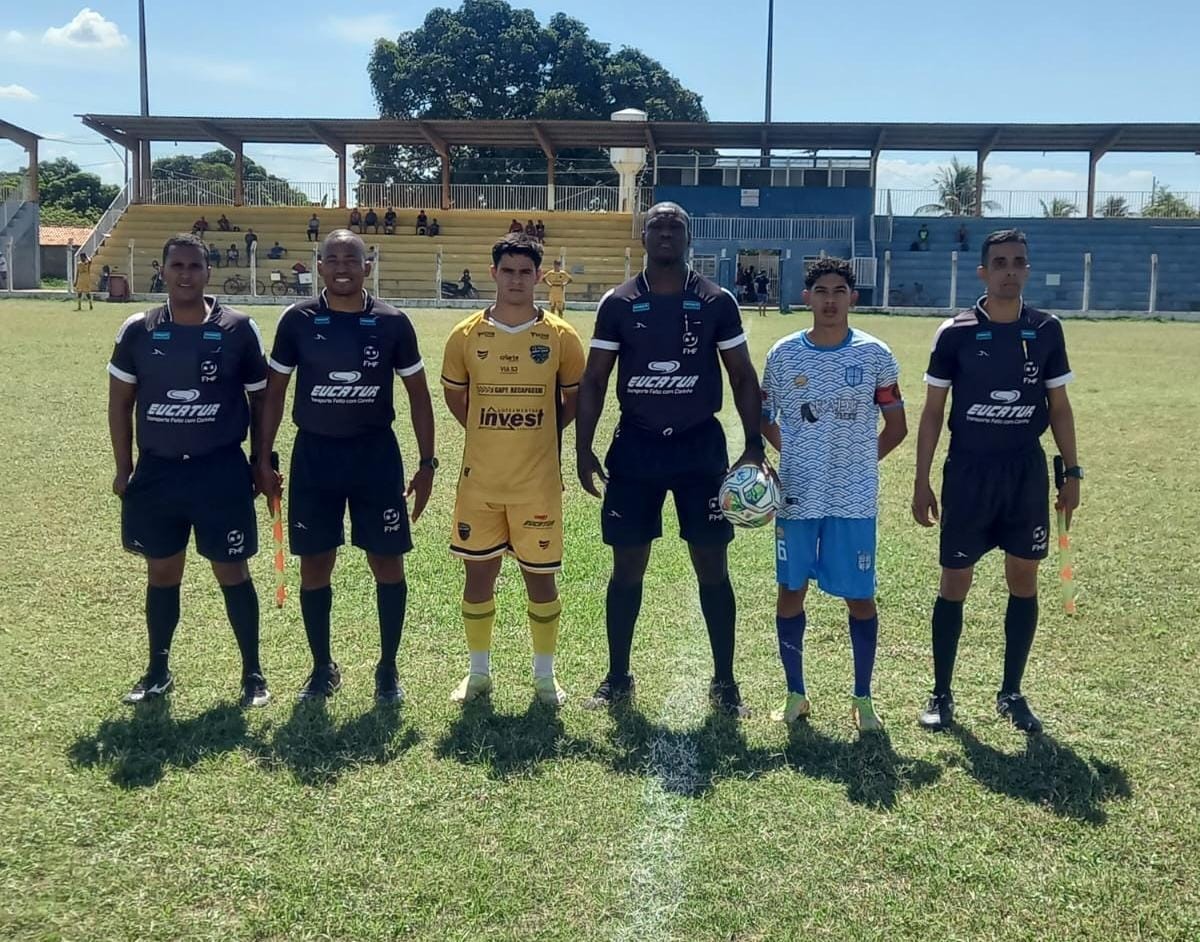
{"points": [[518, 243], [185, 240], [829, 266], [1000, 237]]}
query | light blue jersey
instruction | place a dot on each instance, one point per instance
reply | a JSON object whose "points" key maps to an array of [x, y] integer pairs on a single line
{"points": [[826, 402]]}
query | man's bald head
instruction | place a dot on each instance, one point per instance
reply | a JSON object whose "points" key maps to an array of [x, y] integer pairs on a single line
{"points": [[341, 240]]}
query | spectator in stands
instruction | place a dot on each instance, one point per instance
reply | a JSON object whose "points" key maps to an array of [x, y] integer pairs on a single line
{"points": [[515, 226], [466, 281], [762, 283], [531, 229], [371, 220], [232, 256], [372, 254], [251, 244], [540, 229], [314, 229], [389, 221], [422, 223], [923, 238], [214, 255], [226, 226], [961, 238], [83, 281], [276, 251], [200, 226], [355, 220], [105, 273], [156, 278], [434, 227]]}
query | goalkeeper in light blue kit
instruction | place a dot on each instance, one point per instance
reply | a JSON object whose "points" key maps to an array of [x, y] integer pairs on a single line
{"points": [[823, 391]]}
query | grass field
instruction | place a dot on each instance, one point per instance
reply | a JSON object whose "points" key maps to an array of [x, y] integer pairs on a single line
{"points": [[198, 821]]}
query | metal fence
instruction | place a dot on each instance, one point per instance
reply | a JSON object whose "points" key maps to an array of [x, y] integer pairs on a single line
{"points": [[1042, 203], [399, 195], [255, 193], [105, 226], [794, 228]]}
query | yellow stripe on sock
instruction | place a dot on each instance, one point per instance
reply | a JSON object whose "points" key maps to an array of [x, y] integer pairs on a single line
{"points": [[543, 625], [478, 619]]}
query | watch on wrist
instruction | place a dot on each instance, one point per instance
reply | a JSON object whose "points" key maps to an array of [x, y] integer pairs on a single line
{"points": [[1075, 472], [430, 463]]}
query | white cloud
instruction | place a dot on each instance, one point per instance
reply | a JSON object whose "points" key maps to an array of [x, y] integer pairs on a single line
{"points": [[88, 30], [232, 73], [12, 36], [363, 30], [16, 93]]}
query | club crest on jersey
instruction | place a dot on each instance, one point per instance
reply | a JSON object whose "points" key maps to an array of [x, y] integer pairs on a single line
{"points": [[539, 353], [854, 375], [690, 342], [370, 355], [208, 371], [800, 381], [1031, 373], [482, 354]]}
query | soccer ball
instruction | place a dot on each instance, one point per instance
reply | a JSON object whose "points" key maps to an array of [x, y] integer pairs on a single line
{"points": [[749, 497]]}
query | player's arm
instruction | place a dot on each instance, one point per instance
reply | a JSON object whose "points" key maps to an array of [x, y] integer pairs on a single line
{"points": [[924, 504], [590, 405], [420, 409], [747, 398], [122, 395], [767, 425], [267, 479], [1062, 426], [456, 402], [891, 404]]}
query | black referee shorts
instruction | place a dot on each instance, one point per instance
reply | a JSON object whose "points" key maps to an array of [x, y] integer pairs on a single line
{"points": [[994, 501], [169, 497], [365, 472], [643, 466]]}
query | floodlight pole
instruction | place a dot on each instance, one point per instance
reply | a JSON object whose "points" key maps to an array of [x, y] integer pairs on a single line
{"points": [[770, 47], [144, 146]]}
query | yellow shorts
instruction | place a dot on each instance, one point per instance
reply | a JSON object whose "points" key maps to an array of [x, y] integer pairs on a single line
{"points": [[531, 532]]}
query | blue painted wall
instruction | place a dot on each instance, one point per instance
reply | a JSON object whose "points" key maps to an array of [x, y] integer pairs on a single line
{"points": [[1121, 250], [776, 202]]}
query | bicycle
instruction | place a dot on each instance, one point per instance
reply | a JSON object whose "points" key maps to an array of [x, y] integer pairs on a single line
{"points": [[240, 284], [300, 284]]}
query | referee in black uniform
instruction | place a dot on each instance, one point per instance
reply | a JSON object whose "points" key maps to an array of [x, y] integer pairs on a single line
{"points": [[1006, 364], [667, 331], [186, 368], [345, 346]]}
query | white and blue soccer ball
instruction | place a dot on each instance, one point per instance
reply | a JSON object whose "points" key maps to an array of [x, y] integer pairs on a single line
{"points": [[749, 497]]}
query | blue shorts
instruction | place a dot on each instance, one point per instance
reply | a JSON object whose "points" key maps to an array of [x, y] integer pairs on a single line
{"points": [[839, 552]]}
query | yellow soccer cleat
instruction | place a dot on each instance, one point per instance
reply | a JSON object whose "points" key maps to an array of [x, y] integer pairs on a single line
{"points": [[862, 711], [471, 687], [795, 707]]}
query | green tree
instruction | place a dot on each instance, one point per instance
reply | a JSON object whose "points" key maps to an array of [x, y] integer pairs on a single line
{"points": [[66, 192], [956, 192], [217, 165], [489, 61], [1114, 207], [1165, 204], [1058, 208]]}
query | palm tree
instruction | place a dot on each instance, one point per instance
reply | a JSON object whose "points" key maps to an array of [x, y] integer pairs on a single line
{"points": [[1114, 207], [1165, 204], [1059, 208], [956, 191]]}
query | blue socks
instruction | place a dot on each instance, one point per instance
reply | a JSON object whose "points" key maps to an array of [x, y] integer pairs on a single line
{"points": [[791, 650], [864, 636]]}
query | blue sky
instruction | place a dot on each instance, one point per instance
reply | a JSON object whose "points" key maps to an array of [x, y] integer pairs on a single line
{"points": [[872, 60]]}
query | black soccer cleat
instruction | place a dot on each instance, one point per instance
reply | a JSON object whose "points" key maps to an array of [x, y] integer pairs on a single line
{"points": [[938, 713], [149, 688], [1016, 709], [388, 691], [612, 690], [254, 691], [323, 682], [724, 697]]}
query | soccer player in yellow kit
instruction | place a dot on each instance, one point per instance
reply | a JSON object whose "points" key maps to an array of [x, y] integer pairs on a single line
{"points": [[557, 281], [511, 374]]}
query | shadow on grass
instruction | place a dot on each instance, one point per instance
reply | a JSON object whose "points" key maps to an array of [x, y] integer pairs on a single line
{"points": [[138, 748], [1048, 773], [317, 751], [508, 745], [691, 762]]}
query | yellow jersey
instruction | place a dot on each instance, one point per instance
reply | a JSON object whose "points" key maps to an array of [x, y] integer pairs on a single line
{"points": [[514, 377], [556, 281]]}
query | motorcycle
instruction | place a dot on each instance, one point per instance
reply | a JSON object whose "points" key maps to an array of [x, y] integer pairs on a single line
{"points": [[452, 289]]}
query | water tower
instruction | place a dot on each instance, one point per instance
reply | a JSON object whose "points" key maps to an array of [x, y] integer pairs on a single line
{"points": [[628, 162]]}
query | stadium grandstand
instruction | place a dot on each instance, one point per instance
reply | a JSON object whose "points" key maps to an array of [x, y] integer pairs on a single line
{"points": [[809, 189]]}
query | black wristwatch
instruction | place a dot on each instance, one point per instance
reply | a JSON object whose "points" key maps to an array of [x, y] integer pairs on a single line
{"points": [[1075, 472], [430, 463]]}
